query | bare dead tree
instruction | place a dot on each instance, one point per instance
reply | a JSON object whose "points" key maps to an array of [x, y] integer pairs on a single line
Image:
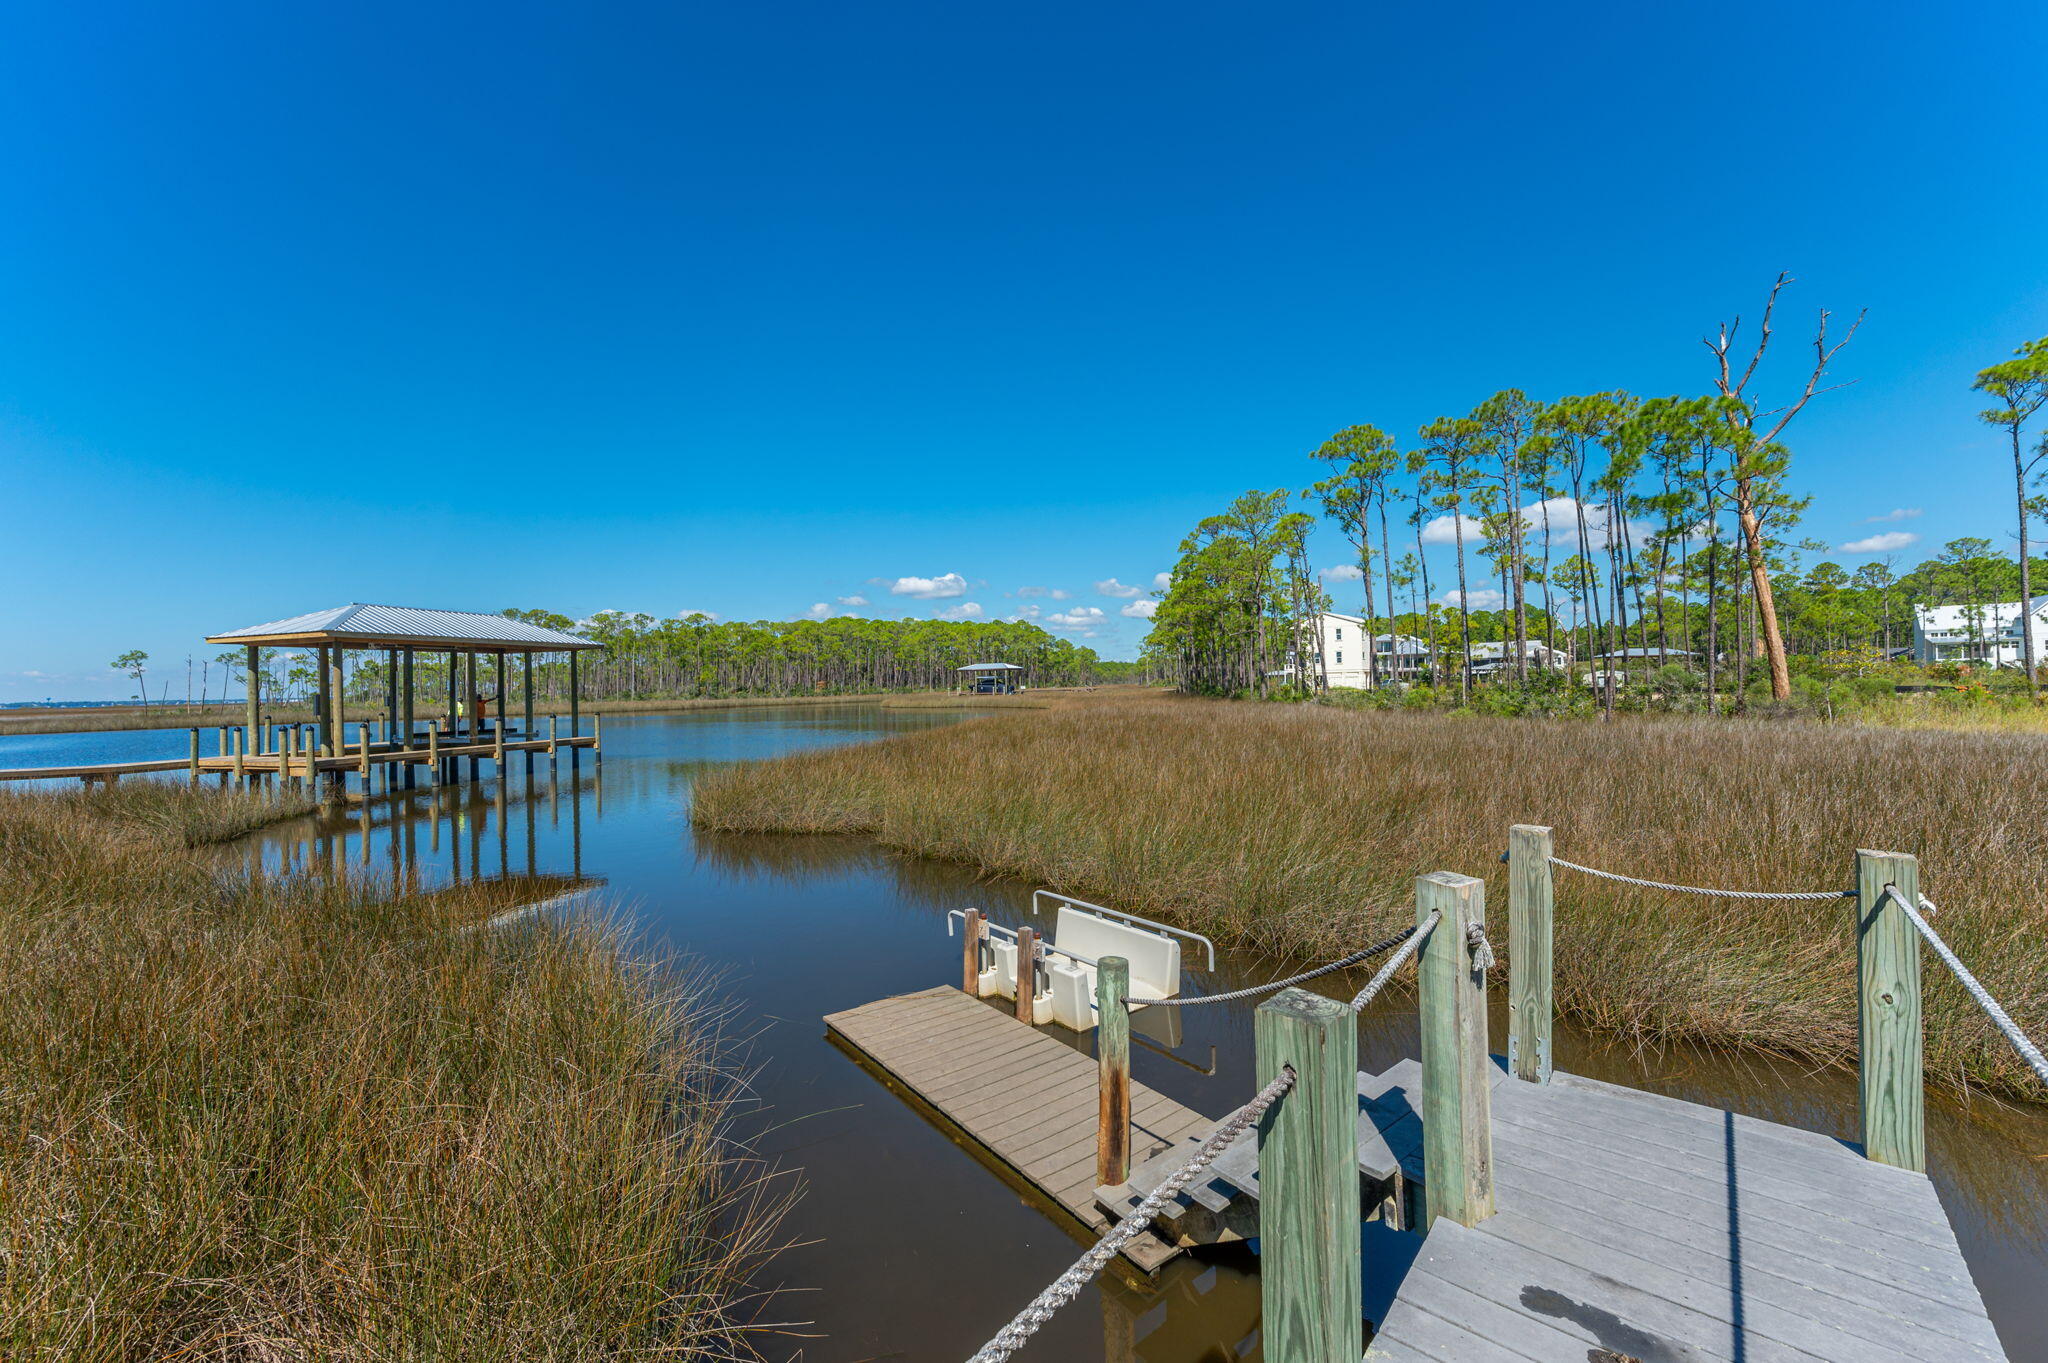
{"points": [[1758, 460]]}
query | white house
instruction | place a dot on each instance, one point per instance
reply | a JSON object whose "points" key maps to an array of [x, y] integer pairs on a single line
{"points": [[1397, 657], [1491, 657], [1977, 634]]}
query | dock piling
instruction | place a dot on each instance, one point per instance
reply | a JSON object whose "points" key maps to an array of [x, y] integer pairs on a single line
{"points": [[1113, 1056], [1530, 1006], [1027, 975], [1456, 1084], [1888, 1078], [970, 954], [1309, 1220]]}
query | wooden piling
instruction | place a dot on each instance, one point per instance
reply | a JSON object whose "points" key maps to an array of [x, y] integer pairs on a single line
{"points": [[970, 955], [1890, 1088], [1457, 1130], [434, 753], [1309, 1263], [241, 741], [252, 691], [1113, 1059], [1027, 971], [552, 727], [195, 755], [1530, 1006], [574, 712]]}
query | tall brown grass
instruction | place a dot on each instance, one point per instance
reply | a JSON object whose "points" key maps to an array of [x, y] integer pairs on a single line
{"points": [[1299, 829], [261, 1119]]}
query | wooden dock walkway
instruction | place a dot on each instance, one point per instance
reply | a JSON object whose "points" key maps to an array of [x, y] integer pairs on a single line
{"points": [[1636, 1226], [1017, 1095]]}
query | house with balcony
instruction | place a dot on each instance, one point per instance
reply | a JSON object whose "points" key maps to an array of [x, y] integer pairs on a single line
{"points": [[1985, 635], [1397, 657]]}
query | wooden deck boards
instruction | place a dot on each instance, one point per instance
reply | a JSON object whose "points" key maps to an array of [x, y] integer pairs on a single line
{"points": [[1669, 1232], [1017, 1095]]}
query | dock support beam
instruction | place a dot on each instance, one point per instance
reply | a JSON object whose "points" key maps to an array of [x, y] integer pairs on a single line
{"points": [[1888, 1079], [1530, 1007], [1457, 1109], [1309, 1269], [1113, 1056]]}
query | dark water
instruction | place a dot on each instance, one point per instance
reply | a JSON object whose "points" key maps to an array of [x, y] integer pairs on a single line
{"points": [[904, 1246]]}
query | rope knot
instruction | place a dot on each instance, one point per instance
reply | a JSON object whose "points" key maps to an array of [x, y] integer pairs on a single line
{"points": [[1482, 950]]}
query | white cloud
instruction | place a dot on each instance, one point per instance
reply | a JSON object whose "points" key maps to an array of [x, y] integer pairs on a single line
{"points": [[929, 588], [684, 615], [1897, 513], [819, 611], [1881, 543], [855, 600], [1444, 530], [1080, 620], [966, 610], [1056, 593], [1109, 586], [1344, 572], [1140, 610], [1561, 515], [1060, 594], [1484, 599], [1027, 613]]}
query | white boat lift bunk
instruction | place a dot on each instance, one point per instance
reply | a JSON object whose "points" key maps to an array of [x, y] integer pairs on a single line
{"points": [[1062, 970]]}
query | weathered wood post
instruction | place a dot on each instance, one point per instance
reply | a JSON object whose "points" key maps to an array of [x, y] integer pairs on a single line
{"points": [[970, 955], [1530, 1006], [1027, 975], [1309, 1271], [1888, 1077], [242, 758], [1113, 1059], [597, 737], [554, 727], [434, 754], [574, 700], [363, 732], [194, 762], [1457, 1122], [252, 693]]}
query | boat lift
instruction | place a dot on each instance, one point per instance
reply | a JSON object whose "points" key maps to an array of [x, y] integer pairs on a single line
{"points": [[1062, 979]]}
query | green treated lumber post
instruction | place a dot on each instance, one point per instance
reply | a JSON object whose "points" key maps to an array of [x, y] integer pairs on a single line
{"points": [[1530, 1006], [1457, 1118], [1113, 1086], [1888, 1077], [1309, 1269]]}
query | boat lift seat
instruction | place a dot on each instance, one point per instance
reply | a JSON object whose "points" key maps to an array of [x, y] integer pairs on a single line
{"points": [[1079, 940]]}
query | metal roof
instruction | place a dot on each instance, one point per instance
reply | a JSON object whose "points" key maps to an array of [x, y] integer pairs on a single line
{"points": [[405, 626], [990, 667]]}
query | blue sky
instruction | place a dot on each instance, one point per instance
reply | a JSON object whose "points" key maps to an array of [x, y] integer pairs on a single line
{"points": [[748, 308]]}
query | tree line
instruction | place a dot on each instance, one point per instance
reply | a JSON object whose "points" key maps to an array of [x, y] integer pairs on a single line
{"points": [[1603, 522]]}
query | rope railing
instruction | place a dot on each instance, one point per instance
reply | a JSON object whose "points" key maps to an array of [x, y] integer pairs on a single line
{"points": [[1068, 1285], [1415, 937], [2003, 1020], [1342, 963], [1702, 889]]}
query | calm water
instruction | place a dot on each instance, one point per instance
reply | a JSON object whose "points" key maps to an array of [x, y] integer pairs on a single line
{"points": [[908, 1248]]}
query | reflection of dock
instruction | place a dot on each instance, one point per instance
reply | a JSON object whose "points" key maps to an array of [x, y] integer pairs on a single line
{"points": [[1022, 1098]]}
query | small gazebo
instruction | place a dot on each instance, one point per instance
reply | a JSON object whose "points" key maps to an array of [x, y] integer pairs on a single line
{"points": [[992, 678], [401, 633]]}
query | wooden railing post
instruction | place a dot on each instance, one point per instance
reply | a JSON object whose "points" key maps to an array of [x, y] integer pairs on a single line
{"points": [[1457, 1117], [1309, 1269], [1529, 969], [1113, 1087], [1889, 1083], [195, 757], [970, 955], [1027, 975]]}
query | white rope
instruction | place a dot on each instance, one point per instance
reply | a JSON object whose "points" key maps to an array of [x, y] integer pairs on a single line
{"points": [[1386, 972], [1068, 1285], [2027, 1049], [1364, 953], [1481, 949], [1701, 889]]}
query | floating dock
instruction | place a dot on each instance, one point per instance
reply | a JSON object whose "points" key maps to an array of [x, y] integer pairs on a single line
{"points": [[1016, 1095]]}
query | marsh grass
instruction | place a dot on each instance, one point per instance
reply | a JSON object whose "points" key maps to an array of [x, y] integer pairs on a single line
{"points": [[264, 1119], [1299, 830]]}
